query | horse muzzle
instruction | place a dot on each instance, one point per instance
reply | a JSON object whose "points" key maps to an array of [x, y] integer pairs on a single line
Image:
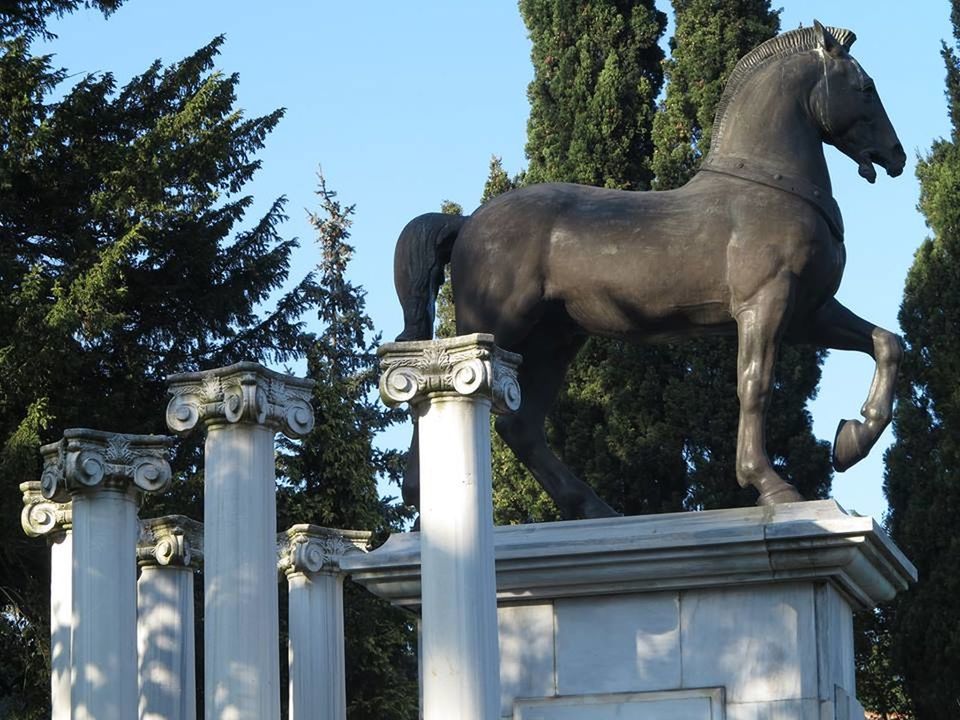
{"points": [[893, 162]]}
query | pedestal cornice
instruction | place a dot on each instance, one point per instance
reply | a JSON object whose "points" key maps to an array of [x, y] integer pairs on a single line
{"points": [[87, 460], [469, 366], [42, 517], [245, 392], [814, 540], [314, 549], [172, 540]]}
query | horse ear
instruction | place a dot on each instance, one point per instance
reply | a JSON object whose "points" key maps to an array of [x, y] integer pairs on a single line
{"points": [[827, 41]]}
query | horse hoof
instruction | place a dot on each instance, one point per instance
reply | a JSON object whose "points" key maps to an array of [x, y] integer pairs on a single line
{"points": [[848, 449], [786, 494]]}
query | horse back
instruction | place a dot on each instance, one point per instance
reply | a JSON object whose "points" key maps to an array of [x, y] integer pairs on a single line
{"points": [[640, 265]]}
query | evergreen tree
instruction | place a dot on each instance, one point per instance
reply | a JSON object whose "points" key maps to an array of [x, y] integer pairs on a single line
{"points": [[597, 73], [710, 36], [330, 477], [922, 481], [123, 258], [653, 429], [593, 96], [709, 39]]}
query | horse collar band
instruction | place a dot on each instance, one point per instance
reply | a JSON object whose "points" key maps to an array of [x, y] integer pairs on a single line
{"points": [[821, 200]]}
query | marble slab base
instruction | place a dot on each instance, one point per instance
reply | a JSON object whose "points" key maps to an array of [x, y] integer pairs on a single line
{"points": [[720, 615]]}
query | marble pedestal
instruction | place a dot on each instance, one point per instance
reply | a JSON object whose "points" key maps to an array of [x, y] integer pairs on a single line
{"points": [[720, 615]]}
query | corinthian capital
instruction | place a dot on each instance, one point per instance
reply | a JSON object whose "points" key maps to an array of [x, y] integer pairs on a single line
{"points": [[86, 460], [41, 517], [468, 365], [245, 392], [312, 549], [172, 540]]}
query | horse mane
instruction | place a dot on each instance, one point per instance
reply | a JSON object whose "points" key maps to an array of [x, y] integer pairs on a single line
{"points": [[788, 43]]}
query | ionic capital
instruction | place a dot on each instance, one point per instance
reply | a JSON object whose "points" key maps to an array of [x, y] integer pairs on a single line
{"points": [[86, 460], [245, 392], [468, 365], [315, 549], [42, 517], [173, 540]]}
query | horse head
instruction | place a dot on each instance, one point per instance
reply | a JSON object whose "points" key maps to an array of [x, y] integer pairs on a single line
{"points": [[851, 117]]}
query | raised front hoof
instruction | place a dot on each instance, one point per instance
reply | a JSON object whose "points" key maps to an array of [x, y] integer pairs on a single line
{"points": [[787, 493], [849, 446]]}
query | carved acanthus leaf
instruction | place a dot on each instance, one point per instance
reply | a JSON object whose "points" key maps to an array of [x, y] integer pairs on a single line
{"points": [[90, 459], [469, 365], [245, 392], [173, 540], [314, 549]]}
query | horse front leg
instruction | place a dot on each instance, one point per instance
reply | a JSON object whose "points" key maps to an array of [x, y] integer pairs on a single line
{"points": [[760, 324], [834, 326]]}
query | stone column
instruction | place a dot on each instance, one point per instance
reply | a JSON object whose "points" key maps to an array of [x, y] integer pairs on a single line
{"points": [[45, 518], [242, 407], [167, 553], [452, 385], [102, 474], [310, 559]]}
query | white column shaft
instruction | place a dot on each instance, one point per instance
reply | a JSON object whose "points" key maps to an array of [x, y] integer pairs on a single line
{"points": [[165, 643], [241, 624], [459, 626], [317, 672], [104, 642], [61, 619]]}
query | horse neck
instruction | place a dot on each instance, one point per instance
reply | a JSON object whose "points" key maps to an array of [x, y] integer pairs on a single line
{"points": [[769, 122]]}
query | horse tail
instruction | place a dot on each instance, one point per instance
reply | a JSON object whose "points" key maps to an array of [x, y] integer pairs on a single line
{"points": [[423, 250]]}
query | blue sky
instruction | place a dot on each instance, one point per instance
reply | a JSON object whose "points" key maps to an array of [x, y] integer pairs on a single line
{"points": [[402, 104]]}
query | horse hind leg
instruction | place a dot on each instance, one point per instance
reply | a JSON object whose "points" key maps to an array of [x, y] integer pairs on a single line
{"points": [[545, 362]]}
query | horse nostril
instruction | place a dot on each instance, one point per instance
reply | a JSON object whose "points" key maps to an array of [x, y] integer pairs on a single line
{"points": [[898, 151]]}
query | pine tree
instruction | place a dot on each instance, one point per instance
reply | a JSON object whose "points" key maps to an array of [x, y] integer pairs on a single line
{"points": [[124, 257], [330, 477], [922, 480]]}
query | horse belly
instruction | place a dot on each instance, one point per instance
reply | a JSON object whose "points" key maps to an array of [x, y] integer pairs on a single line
{"points": [[650, 291]]}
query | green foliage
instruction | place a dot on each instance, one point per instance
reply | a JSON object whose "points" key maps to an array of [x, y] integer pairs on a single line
{"points": [[330, 477], [124, 256], [29, 17], [709, 38], [922, 482], [597, 72], [879, 686], [653, 429], [446, 323]]}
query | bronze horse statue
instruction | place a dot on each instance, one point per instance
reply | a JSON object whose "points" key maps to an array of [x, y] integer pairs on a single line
{"points": [[751, 246]]}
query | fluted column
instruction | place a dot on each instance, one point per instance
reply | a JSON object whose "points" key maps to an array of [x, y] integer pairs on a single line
{"points": [[167, 553], [310, 560], [54, 521], [452, 385], [102, 474], [242, 407]]}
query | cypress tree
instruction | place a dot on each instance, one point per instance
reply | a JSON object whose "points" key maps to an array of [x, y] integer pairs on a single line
{"points": [[653, 429], [597, 73], [709, 39], [922, 483], [593, 97]]}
